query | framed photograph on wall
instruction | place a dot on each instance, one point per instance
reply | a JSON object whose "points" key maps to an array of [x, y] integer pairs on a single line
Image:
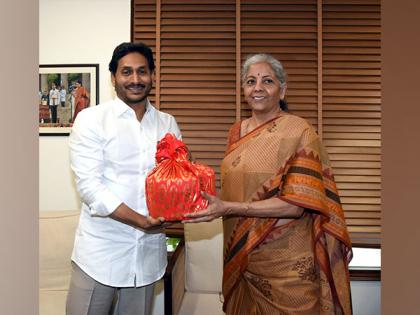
{"points": [[64, 91]]}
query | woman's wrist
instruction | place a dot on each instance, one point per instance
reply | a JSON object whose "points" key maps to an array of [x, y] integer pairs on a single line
{"points": [[237, 208]]}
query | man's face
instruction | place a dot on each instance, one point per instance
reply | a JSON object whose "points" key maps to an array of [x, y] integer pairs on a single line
{"points": [[133, 79]]}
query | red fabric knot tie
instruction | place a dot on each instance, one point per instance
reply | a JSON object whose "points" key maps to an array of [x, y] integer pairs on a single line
{"points": [[169, 147]]}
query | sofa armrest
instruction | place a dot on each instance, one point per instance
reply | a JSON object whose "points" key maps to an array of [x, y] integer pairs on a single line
{"points": [[174, 280]]}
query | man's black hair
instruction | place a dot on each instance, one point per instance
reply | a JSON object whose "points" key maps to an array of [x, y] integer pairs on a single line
{"points": [[126, 48]]}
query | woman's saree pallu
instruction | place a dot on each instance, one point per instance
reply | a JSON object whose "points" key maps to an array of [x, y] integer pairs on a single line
{"points": [[284, 159]]}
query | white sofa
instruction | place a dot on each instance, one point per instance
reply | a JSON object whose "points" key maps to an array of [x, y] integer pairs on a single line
{"points": [[196, 276], [56, 237]]}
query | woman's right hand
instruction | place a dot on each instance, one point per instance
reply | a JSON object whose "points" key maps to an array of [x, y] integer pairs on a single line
{"points": [[215, 209]]}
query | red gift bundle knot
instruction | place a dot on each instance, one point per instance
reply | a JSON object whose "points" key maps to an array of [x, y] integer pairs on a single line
{"points": [[173, 187]]}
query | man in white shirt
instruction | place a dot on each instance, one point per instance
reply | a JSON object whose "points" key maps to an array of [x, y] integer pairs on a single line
{"points": [[54, 101], [119, 251]]}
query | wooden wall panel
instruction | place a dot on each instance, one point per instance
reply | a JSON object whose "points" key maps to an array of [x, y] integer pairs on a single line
{"points": [[352, 109], [288, 31]]}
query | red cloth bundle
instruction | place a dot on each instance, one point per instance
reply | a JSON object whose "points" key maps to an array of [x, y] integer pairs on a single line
{"points": [[173, 186]]}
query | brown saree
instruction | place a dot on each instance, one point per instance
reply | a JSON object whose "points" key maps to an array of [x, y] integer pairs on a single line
{"points": [[297, 268]]}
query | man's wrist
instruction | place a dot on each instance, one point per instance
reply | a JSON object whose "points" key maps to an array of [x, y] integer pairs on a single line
{"points": [[142, 221]]}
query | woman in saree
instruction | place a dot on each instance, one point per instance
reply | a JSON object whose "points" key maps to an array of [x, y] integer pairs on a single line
{"points": [[81, 99], [286, 247]]}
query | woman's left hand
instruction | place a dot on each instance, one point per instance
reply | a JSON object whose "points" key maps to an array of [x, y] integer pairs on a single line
{"points": [[216, 208]]}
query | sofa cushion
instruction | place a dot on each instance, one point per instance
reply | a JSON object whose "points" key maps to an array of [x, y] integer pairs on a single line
{"points": [[203, 256], [52, 302], [56, 238], [201, 304]]}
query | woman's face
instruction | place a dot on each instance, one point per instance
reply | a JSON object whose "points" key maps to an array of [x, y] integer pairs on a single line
{"points": [[262, 89]]}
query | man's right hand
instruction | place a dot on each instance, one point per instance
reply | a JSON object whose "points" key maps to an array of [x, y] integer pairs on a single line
{"points": [[150, 223], [125, 214]]}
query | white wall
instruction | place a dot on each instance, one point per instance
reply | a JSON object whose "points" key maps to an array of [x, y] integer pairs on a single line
{"points": [[75, 31], [57, 190]]}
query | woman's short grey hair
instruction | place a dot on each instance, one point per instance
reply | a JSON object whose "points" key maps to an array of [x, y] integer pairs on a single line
{"points": [[273, 62]]}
